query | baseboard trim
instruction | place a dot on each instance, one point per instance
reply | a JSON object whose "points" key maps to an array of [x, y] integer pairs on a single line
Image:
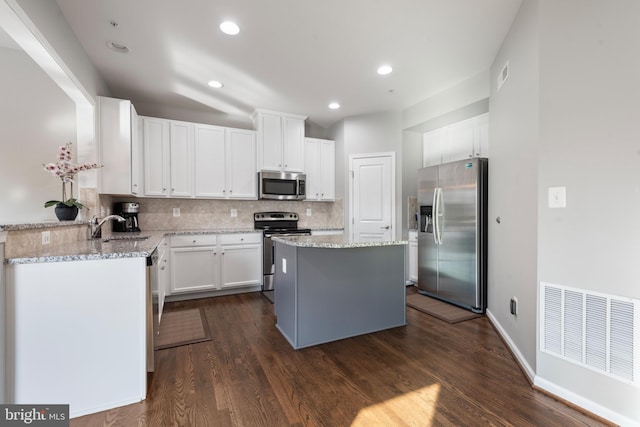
{"points": [[582, 404], [524, 365], [579, 403]]}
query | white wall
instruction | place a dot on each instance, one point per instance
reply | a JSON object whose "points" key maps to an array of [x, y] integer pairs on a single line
{"points": [[513, 185], [590, 143], [50, 22], [463, 94], [36, 118], [369, 133]]}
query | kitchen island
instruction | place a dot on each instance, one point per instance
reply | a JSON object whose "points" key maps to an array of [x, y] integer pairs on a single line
{"points": [[328, 288]]}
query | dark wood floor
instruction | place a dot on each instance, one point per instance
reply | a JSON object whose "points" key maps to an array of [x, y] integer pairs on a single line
{"points": [[429, 373]]}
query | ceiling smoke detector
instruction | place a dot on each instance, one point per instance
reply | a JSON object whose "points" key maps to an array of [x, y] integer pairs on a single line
{"points": [[117, 46]]}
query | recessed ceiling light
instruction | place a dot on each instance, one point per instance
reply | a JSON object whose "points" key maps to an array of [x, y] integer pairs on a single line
{"points": [[117, 46], [334, 105], [383, 70], [230, 28], [216, 84]]}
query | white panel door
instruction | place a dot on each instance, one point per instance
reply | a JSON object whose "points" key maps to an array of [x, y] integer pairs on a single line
{"points": [[372, 198], [210, 163]]}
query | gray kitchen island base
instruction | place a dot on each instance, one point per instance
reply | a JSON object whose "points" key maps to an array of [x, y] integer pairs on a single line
{"points": [[326, 294]]}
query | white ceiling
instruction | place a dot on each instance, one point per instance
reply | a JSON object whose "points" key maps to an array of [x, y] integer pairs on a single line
{"points": [[292, 56]]}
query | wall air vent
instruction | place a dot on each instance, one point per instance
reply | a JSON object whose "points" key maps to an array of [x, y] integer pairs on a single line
{"points": [[595, 330]]}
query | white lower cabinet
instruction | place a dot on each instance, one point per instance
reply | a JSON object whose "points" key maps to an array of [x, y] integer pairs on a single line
{"points": [[241, 265], [214, 262], [413, 256], [163, 274]]}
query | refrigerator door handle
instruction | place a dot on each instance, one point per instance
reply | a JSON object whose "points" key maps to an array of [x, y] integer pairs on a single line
{"points": [[434, 225], [437, 216]]}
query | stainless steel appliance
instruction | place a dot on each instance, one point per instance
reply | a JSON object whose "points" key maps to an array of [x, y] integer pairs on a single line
{"points": [[274, 224], [282, 185], [152, 320], [452, 237], [129, 211]]}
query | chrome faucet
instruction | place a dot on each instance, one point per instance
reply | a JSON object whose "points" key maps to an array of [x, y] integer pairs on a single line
{"points": [[97, 226]]}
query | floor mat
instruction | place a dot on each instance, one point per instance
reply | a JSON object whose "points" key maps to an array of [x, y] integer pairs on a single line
{"points": [[440, 309], [181, 328]]}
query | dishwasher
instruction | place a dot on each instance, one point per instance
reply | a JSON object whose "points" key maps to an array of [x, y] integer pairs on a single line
{"points": [[152, 307]]}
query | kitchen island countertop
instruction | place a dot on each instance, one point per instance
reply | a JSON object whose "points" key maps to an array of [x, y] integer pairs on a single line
{"points": [[332, 242]]}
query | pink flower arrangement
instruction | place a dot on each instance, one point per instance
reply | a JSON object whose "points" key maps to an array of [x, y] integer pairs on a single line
{"points": [[66, 170]]}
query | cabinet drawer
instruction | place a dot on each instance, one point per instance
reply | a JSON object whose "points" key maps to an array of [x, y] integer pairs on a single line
{"points": [[194, 240], [240, 238]]}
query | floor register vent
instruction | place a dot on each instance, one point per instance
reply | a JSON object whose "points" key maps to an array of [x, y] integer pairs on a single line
{"points": [[591, 329]]}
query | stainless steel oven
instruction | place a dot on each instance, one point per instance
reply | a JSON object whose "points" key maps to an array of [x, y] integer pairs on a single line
{"points": [[274, 224]]}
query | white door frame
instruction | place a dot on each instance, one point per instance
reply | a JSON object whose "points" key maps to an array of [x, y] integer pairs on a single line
{"points": [[351, 219]]}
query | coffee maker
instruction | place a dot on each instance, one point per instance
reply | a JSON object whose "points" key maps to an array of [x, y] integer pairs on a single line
{"points": [[129, 211]]}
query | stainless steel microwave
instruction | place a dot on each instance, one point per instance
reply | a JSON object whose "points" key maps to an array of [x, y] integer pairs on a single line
{"points": [[282, 185]]}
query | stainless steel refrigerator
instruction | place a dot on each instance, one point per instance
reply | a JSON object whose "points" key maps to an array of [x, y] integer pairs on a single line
{"points": [[452, 237]]}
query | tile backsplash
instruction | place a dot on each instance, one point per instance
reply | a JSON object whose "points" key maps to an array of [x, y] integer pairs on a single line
{"points": [[196, 214]]}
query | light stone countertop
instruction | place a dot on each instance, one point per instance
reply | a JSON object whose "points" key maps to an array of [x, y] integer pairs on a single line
{"points": [[92, 249], [332, 242]]}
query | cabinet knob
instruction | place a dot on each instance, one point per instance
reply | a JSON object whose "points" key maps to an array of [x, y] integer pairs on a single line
{"points": [[164, 189], [162, 268], [230, 191], [224, 191], [242, 239], [194, 241], [135, 185], [173, 189]]}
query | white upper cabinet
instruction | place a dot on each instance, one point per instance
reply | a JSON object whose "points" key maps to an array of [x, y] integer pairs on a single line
{"points": [[320, 161], [225, 163], [210, 162], [462, 140], [156, 156], [280, 141], [481, 140], [117, 123], [432, 147], [242, 180], [181, 159]]}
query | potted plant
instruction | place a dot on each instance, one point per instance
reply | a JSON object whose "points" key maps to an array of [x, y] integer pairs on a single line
{"points": [[66, 170]]}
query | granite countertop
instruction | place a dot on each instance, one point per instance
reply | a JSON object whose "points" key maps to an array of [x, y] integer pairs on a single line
{"points": [[332, 242], [120, 245]]}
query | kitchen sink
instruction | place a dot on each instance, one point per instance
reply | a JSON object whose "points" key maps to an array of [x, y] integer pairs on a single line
{"points": [[129, 237], [123, 238]]}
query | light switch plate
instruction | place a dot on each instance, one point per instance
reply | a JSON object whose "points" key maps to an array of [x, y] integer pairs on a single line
{"points": [[176, 211], [46, 237], [308, 211], [557, 197], [234, 213], [284, 265]]}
